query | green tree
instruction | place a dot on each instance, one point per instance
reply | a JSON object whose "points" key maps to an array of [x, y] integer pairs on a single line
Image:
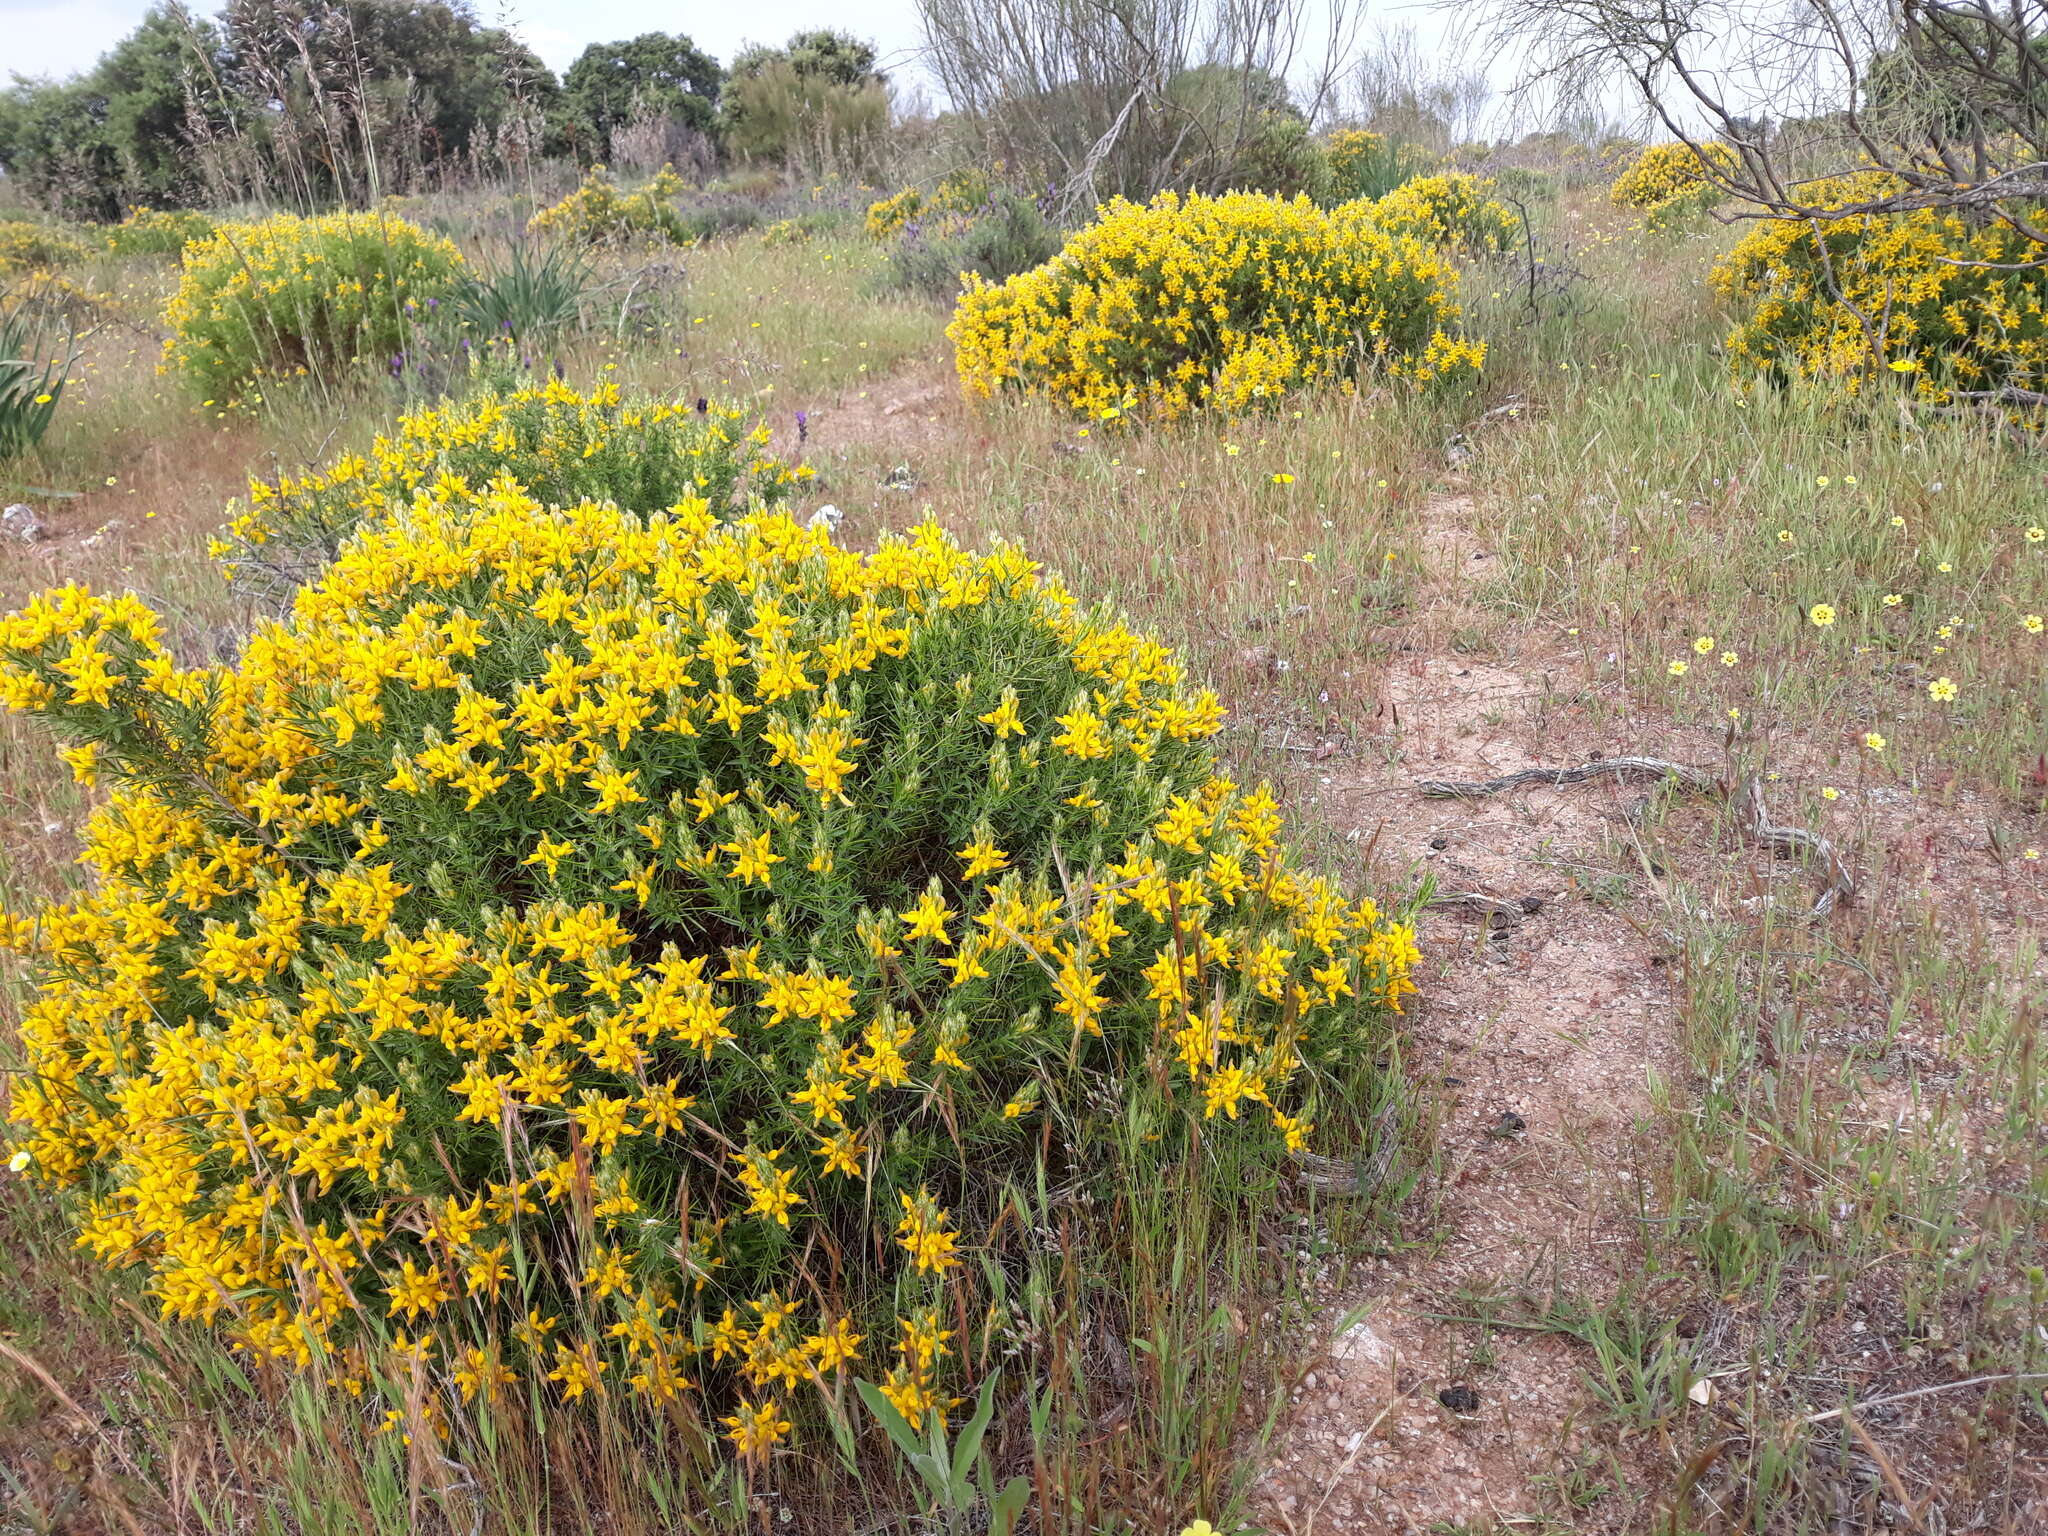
{"points": [[362, 97], [655, 72], [818, 99], [118, 134]]}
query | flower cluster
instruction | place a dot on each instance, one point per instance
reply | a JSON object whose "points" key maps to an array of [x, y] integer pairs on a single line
{"points": [[159, 231], [599, 213], [1450, 211], [1874, 299], [959, 192], [557, 444], [26, 247], [1232, 301], [288, 297], [1665, 182], [621, 953]]}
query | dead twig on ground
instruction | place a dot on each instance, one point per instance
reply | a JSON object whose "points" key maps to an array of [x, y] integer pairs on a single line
{"points": [[1746, 800], [2017, 1377]]}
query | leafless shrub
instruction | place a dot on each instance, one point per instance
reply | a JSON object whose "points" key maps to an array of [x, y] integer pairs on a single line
{"points": [[1132, 96], [1949, 96], [1429, 99], [650, 139]]}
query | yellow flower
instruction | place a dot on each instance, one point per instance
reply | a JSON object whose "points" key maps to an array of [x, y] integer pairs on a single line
{"points": [[922, 1233], [1678, 669], [1729, 659], [756, 1427], [1004, 716], [751, 858], [1942, 690], [1829, 792], [982, 857], [1703, 645], [1822, 614], [1874, 741], [2032, 623]]}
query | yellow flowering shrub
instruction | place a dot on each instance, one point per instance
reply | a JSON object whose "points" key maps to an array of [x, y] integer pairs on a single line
{"points": [[613, 953], [290, 297], [1450, 211], [958, 192], [1878, 299], [1665, 184], [1182, 303], [887, 216], [559, 445], [158, 231], [27, 247], [599, 213]]}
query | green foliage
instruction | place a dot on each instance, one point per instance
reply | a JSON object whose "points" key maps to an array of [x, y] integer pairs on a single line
{"points": [[817, 104], [392, 92], [1279, 155], [32, 376], [821, 54], [1520, 183], [611, 83], [295, 298], [1005, 235], [959, 1491], [528, 295], [1370, 165], [117, 134], [392, 89]]}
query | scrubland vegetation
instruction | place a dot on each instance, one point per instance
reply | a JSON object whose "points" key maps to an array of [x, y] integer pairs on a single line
{"points": [[736, 807]]}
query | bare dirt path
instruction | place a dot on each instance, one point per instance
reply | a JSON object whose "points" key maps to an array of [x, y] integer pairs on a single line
{"points": [[1538, 1043], [1535, 1037]]}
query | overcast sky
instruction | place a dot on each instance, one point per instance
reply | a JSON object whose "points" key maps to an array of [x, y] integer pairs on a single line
{"points": [[62, 37]]}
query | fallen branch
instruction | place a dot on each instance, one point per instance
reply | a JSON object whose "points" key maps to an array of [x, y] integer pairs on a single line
{"points": [[1939, 1386], [1747, 802], [1489, 907]]}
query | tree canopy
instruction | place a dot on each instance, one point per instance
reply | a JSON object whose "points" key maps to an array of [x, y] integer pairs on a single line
{"points": [[656, 72]]}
